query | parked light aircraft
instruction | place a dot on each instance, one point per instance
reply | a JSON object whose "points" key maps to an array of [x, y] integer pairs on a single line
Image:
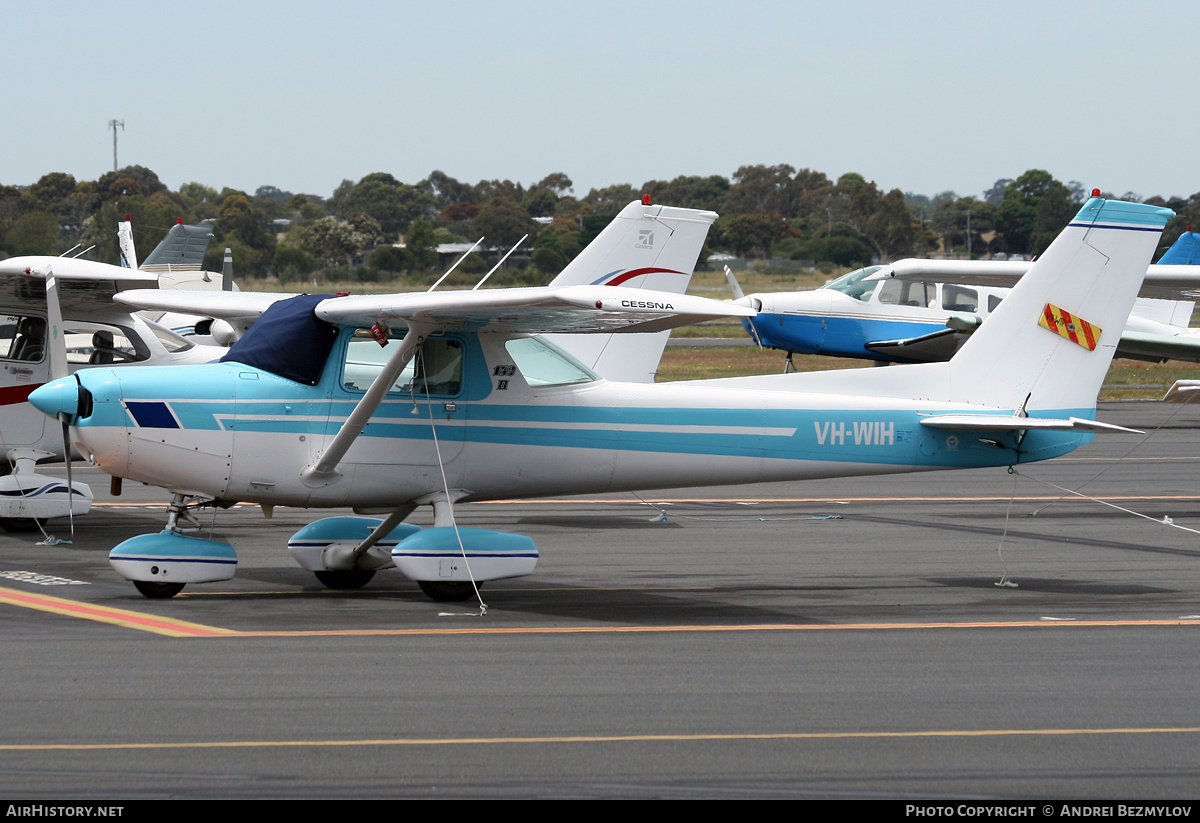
{"points": [[464, 404], [94, 331], [645, 246], [916, 311]]}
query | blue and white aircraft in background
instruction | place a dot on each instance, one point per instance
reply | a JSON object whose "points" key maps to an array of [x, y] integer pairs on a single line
{"points": [[917, 311], [466, 403]]}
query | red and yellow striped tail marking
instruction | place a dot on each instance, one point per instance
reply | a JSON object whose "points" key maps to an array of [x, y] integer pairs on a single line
{"points": [[1073, 328]]}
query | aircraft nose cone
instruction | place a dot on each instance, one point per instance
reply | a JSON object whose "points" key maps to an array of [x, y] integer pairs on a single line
{"points": [[57, 396]]}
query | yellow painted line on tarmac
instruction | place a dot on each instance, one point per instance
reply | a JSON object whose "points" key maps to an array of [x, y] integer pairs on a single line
{"points": [[613, 738], [114, 617], [842, 499], [756, 627]]}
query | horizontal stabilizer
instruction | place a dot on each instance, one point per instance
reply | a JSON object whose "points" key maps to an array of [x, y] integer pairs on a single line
{"points": [[1001, 422]]}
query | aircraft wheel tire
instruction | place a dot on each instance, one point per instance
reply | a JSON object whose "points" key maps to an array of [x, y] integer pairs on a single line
{"points": [[158, 591], [345, 580], [21, 525], [444, 592]]}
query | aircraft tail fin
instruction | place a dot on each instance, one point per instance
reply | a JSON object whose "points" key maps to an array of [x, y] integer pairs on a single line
{"points": [[644, 247], [1050, 343], [183, 247], [125, 244], [1183, 252]]}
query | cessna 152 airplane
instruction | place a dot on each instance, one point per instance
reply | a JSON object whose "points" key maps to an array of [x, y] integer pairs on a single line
{"points": [[464, 403], [918, 311], [645, 246]]}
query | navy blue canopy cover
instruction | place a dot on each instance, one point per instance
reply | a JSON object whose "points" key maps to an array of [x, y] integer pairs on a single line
{"points": [[288, 340]]}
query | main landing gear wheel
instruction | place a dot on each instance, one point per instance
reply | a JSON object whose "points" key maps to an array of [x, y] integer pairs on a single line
{"points": [[158, 591], [444, 592], [343, 579], [21, 525]]}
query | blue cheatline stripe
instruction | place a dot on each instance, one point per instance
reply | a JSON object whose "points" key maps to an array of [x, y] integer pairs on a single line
{"points": [[1114, 228], [308, 544], [750, 433], [170, 558], [430, 555], [49, 488]]}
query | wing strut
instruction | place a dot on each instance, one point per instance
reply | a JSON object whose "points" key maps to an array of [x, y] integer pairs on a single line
{"points": [[324, 471]]}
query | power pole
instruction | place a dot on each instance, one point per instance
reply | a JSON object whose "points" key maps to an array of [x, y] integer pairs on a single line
{"points": [[112, 124]]}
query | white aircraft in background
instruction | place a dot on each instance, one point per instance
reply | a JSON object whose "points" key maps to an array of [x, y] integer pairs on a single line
{"points": [[644, 246], [94, 331], [917, 311], [466, 403]]}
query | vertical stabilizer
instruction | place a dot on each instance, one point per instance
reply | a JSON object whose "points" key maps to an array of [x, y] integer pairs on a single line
{"points": [[1053, 337], [1183, 252], [644, 247]]}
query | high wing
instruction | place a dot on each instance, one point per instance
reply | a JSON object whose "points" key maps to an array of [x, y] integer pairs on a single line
{"points": [[1164, 282], [239, 309], [84, 285], [535, 310]]}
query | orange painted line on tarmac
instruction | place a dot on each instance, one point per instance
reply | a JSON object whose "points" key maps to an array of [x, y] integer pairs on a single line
{"points": [[608, 738], [115, 617]]}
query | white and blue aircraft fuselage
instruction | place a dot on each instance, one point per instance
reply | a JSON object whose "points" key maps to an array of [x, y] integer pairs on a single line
{"points": [[470, 405], [919, 311]]}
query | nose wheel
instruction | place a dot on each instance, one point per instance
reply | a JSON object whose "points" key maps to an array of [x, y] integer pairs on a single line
{"points": [[346, 579], [448, 591], [158, 591]]}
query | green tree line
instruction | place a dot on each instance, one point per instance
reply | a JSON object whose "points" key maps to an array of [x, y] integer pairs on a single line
{"points": [[766, 212]]}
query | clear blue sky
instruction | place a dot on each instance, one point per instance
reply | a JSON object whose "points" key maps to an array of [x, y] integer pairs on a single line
{"points": [[921, 96]]}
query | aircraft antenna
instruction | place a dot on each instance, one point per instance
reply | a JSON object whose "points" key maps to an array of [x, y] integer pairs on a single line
{"points": [[112, 124], [85, 251], [68, 251], [455, 266], [501, 263]]}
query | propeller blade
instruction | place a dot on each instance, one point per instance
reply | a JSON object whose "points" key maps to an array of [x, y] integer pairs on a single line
{"points": [[65, 420]]}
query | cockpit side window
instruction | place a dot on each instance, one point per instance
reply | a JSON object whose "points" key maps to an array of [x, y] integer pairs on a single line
{"points": [[542, 363], [437, 370], [22, 338], [96, 345], [908, 293], [959, 298]]}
